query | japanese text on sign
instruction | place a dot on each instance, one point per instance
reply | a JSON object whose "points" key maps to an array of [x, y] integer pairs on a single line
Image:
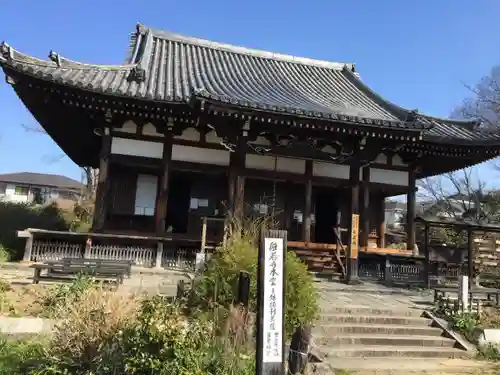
{"points": [[354, 236], [273, 300]]}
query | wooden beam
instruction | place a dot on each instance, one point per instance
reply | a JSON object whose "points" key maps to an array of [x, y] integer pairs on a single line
{"points": [[306, 222], [162, 194], [101, 202]]}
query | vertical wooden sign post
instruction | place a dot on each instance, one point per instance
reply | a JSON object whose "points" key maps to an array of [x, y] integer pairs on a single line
{"points": [[271, 303], [352, 256]]}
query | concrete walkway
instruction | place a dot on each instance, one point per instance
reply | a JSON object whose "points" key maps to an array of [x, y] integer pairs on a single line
{"points": [[372, 295]]}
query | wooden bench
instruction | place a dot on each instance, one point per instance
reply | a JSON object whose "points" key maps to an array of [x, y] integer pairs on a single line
{"points": [[69, 269], [72, 262], [474, 292]]}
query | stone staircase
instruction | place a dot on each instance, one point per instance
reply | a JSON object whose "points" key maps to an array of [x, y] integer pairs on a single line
{"points": [[385, 341]]}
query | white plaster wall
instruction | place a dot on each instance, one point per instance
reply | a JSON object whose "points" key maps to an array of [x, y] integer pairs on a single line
{"points": [[266, 162], [133, 147], [384, 176], [397, 161], [331, 170], [10, 195], [200, 155], [128, 127], [150, 129], [381, 159], [212, 137], [262, 141], [291, 165], [189, 134], [145, 194]]}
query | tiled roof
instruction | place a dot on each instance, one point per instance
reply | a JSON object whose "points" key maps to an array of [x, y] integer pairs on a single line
{"points": [[41, 179], [168, 67]]}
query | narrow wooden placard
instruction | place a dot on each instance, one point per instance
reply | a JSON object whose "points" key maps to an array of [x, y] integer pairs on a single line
{"points": [[271, 303]]}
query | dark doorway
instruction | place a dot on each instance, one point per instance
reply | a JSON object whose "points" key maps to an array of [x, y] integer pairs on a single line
{"points": [[326, 216], [179, 194]]}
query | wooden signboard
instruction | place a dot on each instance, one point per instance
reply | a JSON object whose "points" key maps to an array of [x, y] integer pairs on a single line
{"points": [[271, 312], [354, 236]]}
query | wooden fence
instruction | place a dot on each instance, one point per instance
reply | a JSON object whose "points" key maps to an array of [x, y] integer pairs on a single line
{"points": [[157, 252]]}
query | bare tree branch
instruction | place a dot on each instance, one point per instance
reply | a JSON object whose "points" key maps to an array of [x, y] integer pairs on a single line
{"points": [[89, 174], [459, 195]]}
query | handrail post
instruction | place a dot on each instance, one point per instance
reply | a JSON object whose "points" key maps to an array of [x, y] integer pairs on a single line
{"points": [[159, 254], [204, 234], [28, 248]]}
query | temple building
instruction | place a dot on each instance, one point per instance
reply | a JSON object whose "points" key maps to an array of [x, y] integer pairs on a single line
{"points": [[188, 129]]}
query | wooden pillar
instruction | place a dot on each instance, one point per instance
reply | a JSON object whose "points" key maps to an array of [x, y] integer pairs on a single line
{"points": [[381, 223], [236, 182], [101, 200], [306, 219], [232, 177], [366, 207], [427, 256], [470, 256], [353, 243], [410, 211], [239, 196], [162, 195]]}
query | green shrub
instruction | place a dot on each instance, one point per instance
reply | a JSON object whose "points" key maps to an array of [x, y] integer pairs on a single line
{"points": [[62, 296], [15, 216], [160, 340], [19, 357], [165, 342], [4, 254], [465, 323], [216, 285], [489, 352]]}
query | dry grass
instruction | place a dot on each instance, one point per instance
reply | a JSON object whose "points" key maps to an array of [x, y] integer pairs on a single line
{"points": [[22, 300], [238, 329], [86, 323], [490, 317]]}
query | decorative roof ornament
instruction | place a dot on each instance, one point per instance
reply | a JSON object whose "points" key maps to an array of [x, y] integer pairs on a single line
{"points": [[108, 116], [137, 74], [54, 56], [477, 124], [6, 50], [412, 116], [140, 29]]}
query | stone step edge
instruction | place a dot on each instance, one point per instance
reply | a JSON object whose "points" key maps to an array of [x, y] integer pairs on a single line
{"points": [[389, 336], [395, 365], [372, 311], [384, 348], [391, 362], [376, 326], [369, 316]]}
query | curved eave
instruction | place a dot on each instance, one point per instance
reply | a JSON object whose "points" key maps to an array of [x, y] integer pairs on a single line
{"points": [[487, 142], [115, 80], [428, 122], [291, 111], [104, 88]]}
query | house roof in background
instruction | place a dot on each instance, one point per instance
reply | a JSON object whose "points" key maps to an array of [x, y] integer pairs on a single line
{"points": [[395, 205], [41, 179]]}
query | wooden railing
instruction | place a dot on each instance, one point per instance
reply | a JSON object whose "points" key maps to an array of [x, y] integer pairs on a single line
{"points": [[169, 251]]}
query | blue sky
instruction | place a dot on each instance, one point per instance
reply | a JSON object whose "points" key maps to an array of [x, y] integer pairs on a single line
{"points": [[414, 53]]}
